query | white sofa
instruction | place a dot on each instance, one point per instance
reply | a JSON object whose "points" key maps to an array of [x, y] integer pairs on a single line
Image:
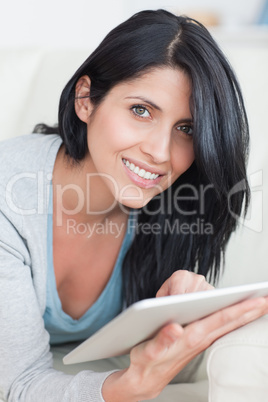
{"points": [[235, 368]]}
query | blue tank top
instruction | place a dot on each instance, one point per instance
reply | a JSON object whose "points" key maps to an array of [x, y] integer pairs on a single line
{"points": [[63, 328]]}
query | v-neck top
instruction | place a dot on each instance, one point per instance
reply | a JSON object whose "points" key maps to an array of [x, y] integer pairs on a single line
{"points": [[62, 327]]}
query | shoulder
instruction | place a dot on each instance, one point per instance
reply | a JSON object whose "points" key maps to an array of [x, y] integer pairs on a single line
{"points": [[32, 152], [26, 170]]}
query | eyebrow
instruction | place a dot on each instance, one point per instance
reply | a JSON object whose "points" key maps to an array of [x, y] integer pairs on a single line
{"points": [[185, 121], [158, 107], [146, 101]]}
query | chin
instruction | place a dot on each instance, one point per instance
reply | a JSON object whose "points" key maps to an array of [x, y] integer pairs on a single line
{"points": [[135, 197], [133, 204]]}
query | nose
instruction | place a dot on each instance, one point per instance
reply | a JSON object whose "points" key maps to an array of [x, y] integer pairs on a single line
{"points": [[157, 145]]}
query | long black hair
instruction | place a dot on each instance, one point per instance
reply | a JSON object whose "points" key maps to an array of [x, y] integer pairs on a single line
{"points": [[191, 222]]}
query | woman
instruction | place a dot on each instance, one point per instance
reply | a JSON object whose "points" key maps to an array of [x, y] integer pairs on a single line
{"points": [[128, 199]]}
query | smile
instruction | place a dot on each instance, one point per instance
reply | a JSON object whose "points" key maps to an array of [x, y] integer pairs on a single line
{"points": [[140, 172]]}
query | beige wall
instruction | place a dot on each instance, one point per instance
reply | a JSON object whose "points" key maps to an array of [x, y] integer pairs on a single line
{"points": [[75, 24]]}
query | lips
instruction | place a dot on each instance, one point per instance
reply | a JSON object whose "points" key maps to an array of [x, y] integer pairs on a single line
{"points": [[140, 176], [145, 174]]}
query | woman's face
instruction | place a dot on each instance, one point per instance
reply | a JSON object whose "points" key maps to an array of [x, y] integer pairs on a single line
{"points": [[140, 137]]}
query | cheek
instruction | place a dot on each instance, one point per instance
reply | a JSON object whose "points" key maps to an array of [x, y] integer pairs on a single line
{"points": [[182, 159], [112, 132]]}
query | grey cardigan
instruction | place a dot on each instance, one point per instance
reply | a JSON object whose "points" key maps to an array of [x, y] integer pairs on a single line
{"points": [[26, 372]]}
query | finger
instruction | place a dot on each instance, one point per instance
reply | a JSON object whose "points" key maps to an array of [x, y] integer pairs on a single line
{"points": [[252, 309], [187, 282], [241, 313], [204, 332], [164, 290], [204, 286], [178, 283], [158, 347]]}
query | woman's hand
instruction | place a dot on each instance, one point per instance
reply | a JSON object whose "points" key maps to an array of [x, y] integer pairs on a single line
{"points": [[183, 282], [154, 363]]}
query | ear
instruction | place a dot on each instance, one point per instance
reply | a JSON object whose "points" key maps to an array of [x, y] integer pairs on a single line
{"points": [[83, 105]]}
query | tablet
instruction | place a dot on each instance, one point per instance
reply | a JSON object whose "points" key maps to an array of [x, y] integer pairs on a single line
{"points": [[144, 318]]}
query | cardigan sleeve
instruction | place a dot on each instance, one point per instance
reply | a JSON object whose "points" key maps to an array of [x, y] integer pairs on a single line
{"points": [[26, 363]]}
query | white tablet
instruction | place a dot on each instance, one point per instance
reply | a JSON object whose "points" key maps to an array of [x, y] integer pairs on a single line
{"points": [[143, 319]]}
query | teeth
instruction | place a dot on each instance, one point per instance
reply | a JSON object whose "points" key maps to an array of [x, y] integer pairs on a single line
{"points": [[147, 175], [140, 172]]}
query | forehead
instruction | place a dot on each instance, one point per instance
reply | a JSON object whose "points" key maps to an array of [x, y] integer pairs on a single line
{"points": [[163, 86]]}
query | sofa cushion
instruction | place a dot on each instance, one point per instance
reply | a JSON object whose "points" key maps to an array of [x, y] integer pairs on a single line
{"points": [[237, 365]]}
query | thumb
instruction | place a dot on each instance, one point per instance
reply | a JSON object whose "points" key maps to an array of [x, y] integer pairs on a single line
{"points": [[164, 340]]}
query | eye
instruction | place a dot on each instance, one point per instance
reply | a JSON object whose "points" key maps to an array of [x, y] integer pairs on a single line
{"points": [[140, 111], [186, 129]]}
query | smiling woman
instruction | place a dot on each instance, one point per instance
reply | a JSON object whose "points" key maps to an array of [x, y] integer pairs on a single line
{"points": [[176, 76], [134, 199]]}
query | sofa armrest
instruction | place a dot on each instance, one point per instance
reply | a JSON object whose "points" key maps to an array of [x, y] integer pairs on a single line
{"points": [[237, 365]]}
